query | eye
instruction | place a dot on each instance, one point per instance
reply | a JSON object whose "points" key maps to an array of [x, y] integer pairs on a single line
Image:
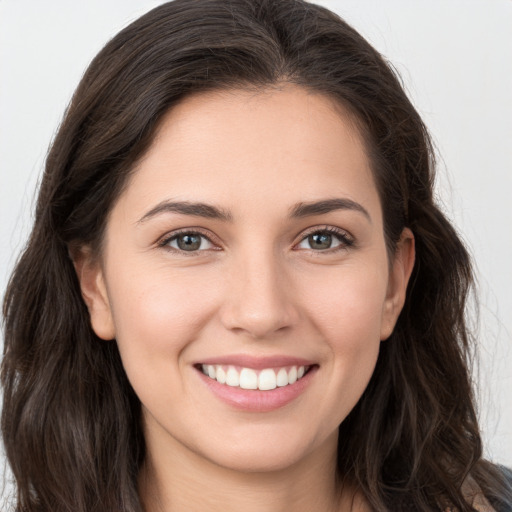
{"points": [[325, 239], [189, 241]]}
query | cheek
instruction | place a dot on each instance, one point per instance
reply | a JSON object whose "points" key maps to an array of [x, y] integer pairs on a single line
{"points": [[157, 314], [347, 310], [347, 304]]}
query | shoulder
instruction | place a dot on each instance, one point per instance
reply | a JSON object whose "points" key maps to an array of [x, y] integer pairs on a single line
{"points": [[502, 501], [478, 500], [507, 474], [474, 496]]}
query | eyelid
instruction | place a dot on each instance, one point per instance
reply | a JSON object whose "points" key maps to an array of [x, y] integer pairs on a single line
{"points": [[165, 239], [346, 239]]}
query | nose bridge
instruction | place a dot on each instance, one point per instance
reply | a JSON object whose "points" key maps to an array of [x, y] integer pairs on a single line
{"points": [[259, 301]]}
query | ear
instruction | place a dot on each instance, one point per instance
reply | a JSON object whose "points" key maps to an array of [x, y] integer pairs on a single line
{"points": [[400, 272], [94, 291]]}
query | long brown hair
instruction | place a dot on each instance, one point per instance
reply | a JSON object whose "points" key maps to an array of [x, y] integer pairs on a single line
{"points": [[71, 421]]}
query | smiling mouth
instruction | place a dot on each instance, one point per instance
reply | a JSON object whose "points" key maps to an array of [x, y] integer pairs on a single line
{"points": [[248, 378]]}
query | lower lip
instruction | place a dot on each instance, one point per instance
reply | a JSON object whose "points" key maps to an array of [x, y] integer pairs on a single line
{"points": [[254, 400]]}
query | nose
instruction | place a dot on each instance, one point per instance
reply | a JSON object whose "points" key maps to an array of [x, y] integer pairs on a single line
{"points": [[259, 301]]}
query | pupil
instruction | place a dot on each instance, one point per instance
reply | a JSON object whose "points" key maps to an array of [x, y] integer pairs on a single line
{"points": [[320, 241], [189, 242]]}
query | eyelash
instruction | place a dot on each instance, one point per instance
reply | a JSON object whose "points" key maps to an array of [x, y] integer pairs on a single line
{"points": [[164, 243], [346, 240]]}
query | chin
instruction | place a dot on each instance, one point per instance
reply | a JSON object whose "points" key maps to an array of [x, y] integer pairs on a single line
{"points": [[258, 461], [269, 452]]}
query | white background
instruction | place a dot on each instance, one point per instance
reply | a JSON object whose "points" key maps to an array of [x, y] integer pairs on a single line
{"points": [[455, 57]]}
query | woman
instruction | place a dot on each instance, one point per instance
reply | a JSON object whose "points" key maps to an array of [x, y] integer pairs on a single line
{"points": [[238, 292]]}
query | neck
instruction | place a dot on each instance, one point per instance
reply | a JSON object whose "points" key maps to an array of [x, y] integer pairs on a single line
{"points": [[186, 481]]}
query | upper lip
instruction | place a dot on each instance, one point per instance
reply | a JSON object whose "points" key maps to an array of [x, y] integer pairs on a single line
{"points": [[256, 362]]}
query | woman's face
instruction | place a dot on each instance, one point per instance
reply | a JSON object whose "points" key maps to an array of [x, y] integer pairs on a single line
{"points": [[248, 245]]}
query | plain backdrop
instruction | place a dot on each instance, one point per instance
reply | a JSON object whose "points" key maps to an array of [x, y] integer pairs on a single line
{"points": [[455, 57]]}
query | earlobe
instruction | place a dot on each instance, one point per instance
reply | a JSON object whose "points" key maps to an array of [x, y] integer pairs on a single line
{"points": [[400, 272], [94, 292]]}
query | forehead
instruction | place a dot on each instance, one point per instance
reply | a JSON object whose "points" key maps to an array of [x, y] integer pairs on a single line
{"points": [[276, 146]]}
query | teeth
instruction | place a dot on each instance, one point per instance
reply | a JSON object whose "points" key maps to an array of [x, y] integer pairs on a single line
{"points": [[292, 375], [247, 378], [232, 377], [267, 380], [282, 378], [221, 375]]}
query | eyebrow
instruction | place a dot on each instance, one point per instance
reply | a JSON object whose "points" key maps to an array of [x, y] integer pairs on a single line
{"points": [[209, 211], [188, 208], [326, 206]]}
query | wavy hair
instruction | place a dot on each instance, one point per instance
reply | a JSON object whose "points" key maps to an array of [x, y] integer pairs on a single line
{"points": [[71, 422]]}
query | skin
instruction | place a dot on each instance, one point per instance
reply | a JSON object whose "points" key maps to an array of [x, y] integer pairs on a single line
{"points": [[257, 288]]}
